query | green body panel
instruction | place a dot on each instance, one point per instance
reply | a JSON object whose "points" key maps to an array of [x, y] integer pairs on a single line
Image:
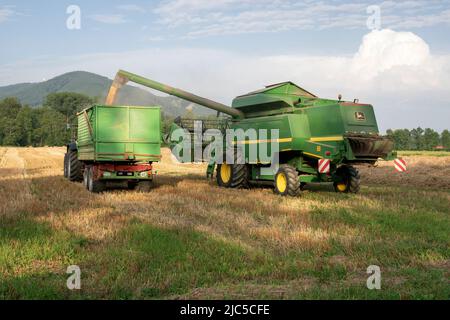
{"points": [[119, 134]]}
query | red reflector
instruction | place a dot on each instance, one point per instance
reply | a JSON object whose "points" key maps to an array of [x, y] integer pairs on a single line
{"points": [[328, 153]]}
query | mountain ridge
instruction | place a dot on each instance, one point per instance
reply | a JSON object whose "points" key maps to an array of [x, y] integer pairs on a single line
{"points": [[95, 86]]}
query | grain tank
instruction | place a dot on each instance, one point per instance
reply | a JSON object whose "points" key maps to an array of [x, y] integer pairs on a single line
{"points": [[319, 140]]}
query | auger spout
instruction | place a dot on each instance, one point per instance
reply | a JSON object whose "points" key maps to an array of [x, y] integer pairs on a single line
{"points": [[123, 77]]}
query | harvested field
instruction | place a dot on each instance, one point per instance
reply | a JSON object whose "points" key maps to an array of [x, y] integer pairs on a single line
{"points": [[190, 239]]}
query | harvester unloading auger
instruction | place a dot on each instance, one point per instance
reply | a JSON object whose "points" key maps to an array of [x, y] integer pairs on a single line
{"points": [[319, 139]]}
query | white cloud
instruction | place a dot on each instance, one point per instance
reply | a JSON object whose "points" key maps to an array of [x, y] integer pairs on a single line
{"points": [[153, 38], [395, 71], [109, 18], [6, 13], [131, 8], [197, 18], [383, 50]]}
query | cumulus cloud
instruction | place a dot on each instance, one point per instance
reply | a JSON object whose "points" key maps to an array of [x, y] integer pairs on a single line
{"points": [[131, 8], [395, 71], [109, 18], [383, 50]]}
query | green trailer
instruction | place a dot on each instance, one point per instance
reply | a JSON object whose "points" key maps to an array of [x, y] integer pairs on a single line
{"points": [[115, 144], [318, 140]]}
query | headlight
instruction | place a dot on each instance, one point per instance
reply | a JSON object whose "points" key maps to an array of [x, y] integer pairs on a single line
{"points": [[144, 174], [107, 174]]}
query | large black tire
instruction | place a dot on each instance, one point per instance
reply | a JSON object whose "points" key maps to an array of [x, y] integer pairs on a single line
{"points": [[131, 185], [66, 170], [94, 186], [86, 177], [74, 167], [350, 180], [286, 181], [144, 186], [233, 176]]}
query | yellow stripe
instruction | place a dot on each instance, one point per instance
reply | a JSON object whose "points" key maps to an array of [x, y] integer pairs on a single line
{"points": [[312, 155], [263, 141], [319, 139]]}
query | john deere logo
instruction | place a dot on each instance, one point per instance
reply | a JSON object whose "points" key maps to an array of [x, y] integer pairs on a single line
{"points": [[360, 116]]}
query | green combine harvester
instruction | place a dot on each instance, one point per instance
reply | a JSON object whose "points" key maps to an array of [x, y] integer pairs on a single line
{"points": [[320, 140], [115, 145]]}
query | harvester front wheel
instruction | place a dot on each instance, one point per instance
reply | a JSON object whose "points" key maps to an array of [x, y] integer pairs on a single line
{"points": [[349, 180], [232, 175], [74, 167], [286, 181]]}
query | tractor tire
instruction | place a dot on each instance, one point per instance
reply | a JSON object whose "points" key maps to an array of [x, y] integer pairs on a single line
{"points": [[66, 156], [132, 185], [223, 175], [144, 186], [350, 180], [74, 167], [233, 175], [94, 186], [286, 181], [86, 177]]}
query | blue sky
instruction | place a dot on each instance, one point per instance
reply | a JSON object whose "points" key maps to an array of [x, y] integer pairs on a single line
{"points": [[223, 48]]}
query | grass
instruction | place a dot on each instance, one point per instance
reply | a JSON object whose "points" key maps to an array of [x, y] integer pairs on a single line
{"points": [[190, 239], [425, 153]]}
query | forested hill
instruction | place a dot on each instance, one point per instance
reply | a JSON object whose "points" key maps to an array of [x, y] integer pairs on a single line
{"points": [[95, 86]]}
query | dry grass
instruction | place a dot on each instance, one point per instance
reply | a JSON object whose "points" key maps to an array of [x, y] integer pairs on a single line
{"points": [[239, 243], [422, 171]]}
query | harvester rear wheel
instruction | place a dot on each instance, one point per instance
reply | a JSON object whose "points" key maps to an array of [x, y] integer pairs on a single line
{"points": [[286, 181], [95, 186], [74, 167], [350, 180]]}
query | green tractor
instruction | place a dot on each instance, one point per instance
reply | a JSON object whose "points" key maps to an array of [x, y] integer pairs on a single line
{"points": [[318, 140]]}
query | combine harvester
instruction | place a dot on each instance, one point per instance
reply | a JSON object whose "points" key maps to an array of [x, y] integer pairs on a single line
{"points": [[319, 139], [115, 145]]}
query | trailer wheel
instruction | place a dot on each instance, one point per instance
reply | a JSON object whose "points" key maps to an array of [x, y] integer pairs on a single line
{"points": [[350, 180], [144, 186], [74, 167], [86, 177], [132, 185], [286, 181], [95, 186], [66, 175]]}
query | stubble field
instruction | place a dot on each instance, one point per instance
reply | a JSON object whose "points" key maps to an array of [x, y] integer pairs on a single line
{"points": [[190, 239]]}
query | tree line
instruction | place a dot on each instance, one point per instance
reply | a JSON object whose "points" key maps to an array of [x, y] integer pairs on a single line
{"points": [[52, 124], [420, 139]]}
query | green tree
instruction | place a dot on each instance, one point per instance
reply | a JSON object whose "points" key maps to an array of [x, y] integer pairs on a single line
{"points": [[24, 126], [430, 139], [50, 128], [445, 139], [68, 103], [401, 137], [417, 139], [10, 131]]}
